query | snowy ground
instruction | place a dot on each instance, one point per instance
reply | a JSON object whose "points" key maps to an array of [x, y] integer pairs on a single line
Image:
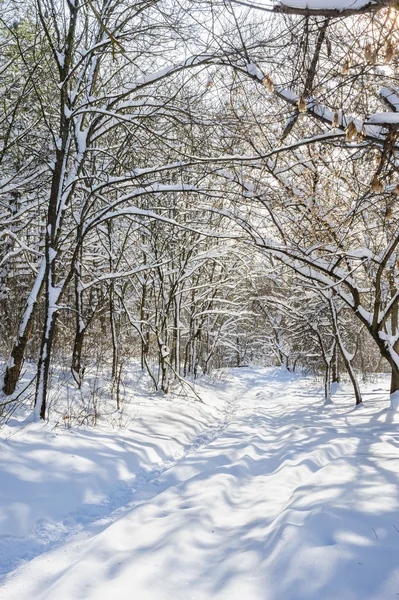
{"points": [[260, 493]]}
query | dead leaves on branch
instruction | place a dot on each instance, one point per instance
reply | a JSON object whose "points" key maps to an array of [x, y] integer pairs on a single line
{"points": [[376, 186], [268, 83], [370, 55], [302, 104], [351, 132]]}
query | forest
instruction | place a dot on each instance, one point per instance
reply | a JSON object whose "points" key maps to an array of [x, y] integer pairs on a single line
{"points": [[198, 201], [197, 185]]}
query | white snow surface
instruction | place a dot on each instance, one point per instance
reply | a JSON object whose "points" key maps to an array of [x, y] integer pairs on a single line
{"points": [[259, 493], [390, 118], [327, 4]]}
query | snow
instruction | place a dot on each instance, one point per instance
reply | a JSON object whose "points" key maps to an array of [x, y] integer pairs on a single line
{"points": [[260, 492], [33, 296], [391, 97], [327, 4], [255, 71], [150, 78], [395, 401], [389, 118]]}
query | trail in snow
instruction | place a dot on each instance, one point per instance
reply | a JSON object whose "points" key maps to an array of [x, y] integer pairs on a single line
{"points": [[285, 499], [49, 533]]}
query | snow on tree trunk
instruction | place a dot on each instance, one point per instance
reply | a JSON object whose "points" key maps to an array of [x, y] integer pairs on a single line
{"points": [[14, 366]]}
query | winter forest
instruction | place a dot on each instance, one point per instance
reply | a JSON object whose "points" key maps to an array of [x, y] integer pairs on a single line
{"points": [[199, 299]]}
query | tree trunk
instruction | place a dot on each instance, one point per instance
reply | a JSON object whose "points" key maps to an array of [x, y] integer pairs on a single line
{"points": [[327, 382], [43, 368], [334, 366], [345, 355], [163, 368], [80, 329], [391, 355], [394, 380], [326, 356], [177, 335], [394, 391], [143, 332], [353, 379], [77, 369], [13, 370]]}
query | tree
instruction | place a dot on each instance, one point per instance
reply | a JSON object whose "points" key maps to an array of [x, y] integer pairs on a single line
{"points": [[118, 88], [321, 213]]}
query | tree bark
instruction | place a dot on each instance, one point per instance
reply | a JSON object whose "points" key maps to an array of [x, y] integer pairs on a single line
{"points": [[43, 368], [327, 382], [13, 370], [345, 356], [395, 373], [334, 366], [80, 329]]}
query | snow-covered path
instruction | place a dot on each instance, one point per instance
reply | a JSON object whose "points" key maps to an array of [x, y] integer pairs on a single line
{"points": [[282, 500]]}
